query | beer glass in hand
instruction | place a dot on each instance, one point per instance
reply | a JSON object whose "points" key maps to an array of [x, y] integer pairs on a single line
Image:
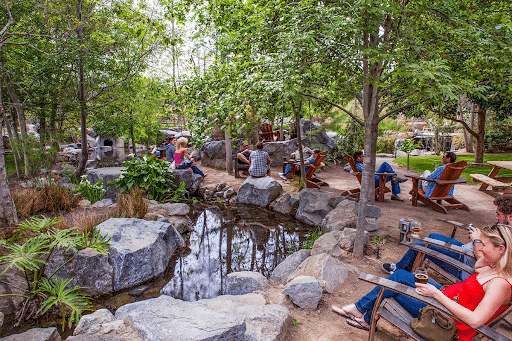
{"points": [[421, 276]]}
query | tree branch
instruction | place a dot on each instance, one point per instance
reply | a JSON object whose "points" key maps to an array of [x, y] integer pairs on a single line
{"points": [[382, 107], [408, 105], [471, 131], [355, 118]]}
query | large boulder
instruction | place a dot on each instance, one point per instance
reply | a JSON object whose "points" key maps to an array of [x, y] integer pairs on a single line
{"points": [[314, 205], [328, 243], [329, 271], [213, 154], [290, 264], [89, 269], [343, 216], [140, 249], [12, 282], [282, 204], [245, 282], [259, 191], [304, 291], [91, 323], [107, 174], [192, 181], [280, 150], [35, 334], [168, 319], [264, 322]]}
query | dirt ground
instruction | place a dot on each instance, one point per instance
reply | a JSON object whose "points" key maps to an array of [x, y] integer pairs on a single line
{"points": [[324, 325]]}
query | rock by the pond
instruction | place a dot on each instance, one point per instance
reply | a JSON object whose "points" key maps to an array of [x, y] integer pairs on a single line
{"points": [[259, 191], [182, 224], [192, 181], [328, 243], [140, 249], [179, 209], [245, 282], [290, 264], [168, 319], [264, 322], [35, 334], [91, 323], [313, 206], [295, 200], [10, 283], [107, 174], [343, 216], [229, 193], [304, 291], [280, 149], [282, 204], [329, 271], [89, 269], [220, 186], [347, 238], [104, 203], [213, 154]]}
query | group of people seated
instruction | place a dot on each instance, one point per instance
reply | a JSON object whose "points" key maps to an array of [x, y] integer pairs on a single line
{"points": [[176, 152], [259, 160], [475, 301]]}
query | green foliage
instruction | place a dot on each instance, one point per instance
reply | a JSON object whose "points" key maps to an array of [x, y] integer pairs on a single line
{"points": [[311, 237], [72, 178], [297, 183], [408, 146], [498, 135], [420, 164], [39, 156], [386, 144], [30, 255], [378, 240], [295, 321], [56, 294], [152, 175], [91, 192], [352, 139]]}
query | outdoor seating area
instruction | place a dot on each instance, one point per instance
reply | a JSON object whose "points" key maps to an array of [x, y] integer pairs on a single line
{"points": [[497, 184]]}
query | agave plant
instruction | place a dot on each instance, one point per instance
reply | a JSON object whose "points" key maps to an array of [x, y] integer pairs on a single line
{"points": [[31, 256]]}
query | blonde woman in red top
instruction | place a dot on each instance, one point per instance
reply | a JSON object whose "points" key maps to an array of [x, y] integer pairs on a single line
{"points": [[476, 301]]}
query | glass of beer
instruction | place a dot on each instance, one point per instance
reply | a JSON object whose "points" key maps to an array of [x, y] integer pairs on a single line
{"points": [[415, 229], [421, 276]]}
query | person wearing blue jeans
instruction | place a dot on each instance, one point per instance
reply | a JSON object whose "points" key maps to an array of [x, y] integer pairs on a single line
{"points": [[191, 166], [383, 168]]}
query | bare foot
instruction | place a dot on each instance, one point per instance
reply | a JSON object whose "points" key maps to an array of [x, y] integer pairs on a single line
{"points": [[349, 311]]}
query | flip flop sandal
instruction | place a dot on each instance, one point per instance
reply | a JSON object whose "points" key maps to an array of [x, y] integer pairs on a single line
{"points": [[357, 324], [343, 313]]}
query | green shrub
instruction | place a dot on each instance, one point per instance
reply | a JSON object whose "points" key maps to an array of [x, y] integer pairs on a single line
{"points": [[311, 237], [386, 144], [91, 192], [152, 175]]}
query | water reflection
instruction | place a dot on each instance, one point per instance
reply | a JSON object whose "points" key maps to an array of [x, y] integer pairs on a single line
{"points": [[228, 241]]}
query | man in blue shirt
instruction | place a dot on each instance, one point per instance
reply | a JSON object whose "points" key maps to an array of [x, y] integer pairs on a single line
{"points": [[169, 153], [383, 168], [427, 186]]}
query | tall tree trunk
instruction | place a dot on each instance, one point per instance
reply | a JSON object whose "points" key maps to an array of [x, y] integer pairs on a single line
{"points": [[23, 126], [132, 134], [8, 213], [480, 138], [81, 94], [297, 110], [460, 116], [229, 153], [12, 141]]}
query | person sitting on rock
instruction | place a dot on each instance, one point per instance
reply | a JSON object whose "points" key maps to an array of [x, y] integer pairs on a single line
{"points": [[259, 161], [171, 149], [243, 156], [503, 215], [427, 187], [383, 168], [306, 152], [182, 159]]}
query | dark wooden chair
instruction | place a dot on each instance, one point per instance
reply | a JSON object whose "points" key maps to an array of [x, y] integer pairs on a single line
{"points": [[444, 184], [379, 191], [267, 132], [312, 181], [392, 311], [239, 167]]}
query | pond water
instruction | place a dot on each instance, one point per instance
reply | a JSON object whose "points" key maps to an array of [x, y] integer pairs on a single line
{"points": [[224, 240]]}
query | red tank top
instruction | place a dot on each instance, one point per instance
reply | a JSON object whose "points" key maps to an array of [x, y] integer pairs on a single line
{"points": [[470, 293]]}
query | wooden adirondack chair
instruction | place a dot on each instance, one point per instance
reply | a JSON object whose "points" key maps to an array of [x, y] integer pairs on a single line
{"points": [[379, 191], [311, 180], [392, 311], [446, 181], [267, 132]]}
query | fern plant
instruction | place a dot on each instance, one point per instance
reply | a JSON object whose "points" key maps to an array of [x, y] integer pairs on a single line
{"points": [[31, 254]]}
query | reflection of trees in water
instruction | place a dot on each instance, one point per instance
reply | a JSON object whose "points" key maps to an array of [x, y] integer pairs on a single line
{"points": [[230, 241]]}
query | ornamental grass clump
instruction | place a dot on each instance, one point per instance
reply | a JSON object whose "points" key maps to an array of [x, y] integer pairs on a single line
{"points": [[131, 204], [36, 240], [50, 198]]}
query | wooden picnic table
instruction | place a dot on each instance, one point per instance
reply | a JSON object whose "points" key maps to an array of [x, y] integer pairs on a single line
{"points": [[496, 183]]}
